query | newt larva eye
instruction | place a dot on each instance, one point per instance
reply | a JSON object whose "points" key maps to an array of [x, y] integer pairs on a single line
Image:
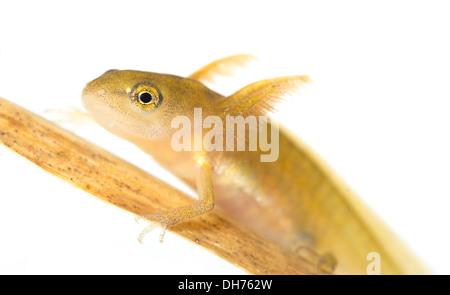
{"points": [[145, 97]]}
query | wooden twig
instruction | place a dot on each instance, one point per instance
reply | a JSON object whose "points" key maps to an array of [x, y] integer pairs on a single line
{"points": [[111, 179]]}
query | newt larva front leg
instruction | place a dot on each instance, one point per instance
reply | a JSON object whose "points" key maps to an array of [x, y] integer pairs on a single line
{"points": [[205, 204]]}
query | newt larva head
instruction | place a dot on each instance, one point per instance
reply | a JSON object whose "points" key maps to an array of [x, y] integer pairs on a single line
{"points": [[141, 105]]}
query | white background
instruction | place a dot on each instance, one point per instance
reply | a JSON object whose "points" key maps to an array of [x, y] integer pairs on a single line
{"points": [[377, 112]]}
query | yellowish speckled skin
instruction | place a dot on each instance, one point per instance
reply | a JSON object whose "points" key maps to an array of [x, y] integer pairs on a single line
{"points": [[295, 200]]}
